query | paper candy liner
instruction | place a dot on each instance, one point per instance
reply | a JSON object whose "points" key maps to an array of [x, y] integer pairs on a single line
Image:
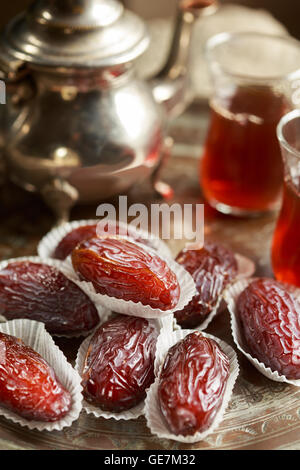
{"points": [[154, 417], [34, 334], [137, 309], [231, 297], [246, 268], [164, 324], [102, 311], [52, 239]]}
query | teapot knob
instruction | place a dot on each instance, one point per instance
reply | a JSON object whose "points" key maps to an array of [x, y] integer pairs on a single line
{"points": [[75, 14]]}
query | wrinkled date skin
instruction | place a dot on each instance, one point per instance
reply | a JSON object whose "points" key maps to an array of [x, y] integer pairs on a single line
{"points": [[42, 293], [80, 234], [121, 269], [269, 316], [192, 384], [213, 267], [119, 366], [72, 239], [28, 385]]}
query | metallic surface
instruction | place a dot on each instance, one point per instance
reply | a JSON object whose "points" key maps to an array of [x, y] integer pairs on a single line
{"points": [[77, 119], [261, 415], [76, 33], [98, 132]]}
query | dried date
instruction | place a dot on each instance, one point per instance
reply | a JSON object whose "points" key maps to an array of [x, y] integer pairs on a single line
{"points": [[212, 267], [269, 314], [192, 384], [80, 234], [119, 366], [28, 385], [41, 292], [72, 239], [124, 270]]}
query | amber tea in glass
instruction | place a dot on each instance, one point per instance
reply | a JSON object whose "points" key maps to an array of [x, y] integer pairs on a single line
{"points": [[241, 168], [286, 240]]}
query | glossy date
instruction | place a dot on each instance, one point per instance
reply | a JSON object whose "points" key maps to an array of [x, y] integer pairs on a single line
{"points": [[119, 268], [212, 267], [28, 385], [40, 292], [269, 314], [192, 384], [80, 234], [119, 366]]}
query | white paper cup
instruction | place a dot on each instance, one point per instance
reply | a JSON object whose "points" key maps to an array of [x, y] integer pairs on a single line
{"points": [[154, 417], [34, 334]]}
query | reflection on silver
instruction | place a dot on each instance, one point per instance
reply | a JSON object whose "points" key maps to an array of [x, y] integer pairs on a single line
{"points": [[77, 116]]}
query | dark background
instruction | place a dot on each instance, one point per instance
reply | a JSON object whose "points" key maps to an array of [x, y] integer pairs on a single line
{"points": [[286, 11]]}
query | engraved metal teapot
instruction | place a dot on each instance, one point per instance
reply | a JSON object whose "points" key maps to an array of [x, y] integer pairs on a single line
{"points": [[79, 125]]}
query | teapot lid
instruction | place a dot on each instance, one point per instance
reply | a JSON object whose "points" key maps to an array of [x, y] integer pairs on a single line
{"points": [[74, 33]]}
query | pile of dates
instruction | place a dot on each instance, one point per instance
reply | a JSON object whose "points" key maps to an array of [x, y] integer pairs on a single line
{"points": [[142, 314]]}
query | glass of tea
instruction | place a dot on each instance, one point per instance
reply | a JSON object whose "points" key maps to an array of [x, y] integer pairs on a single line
{"points": [[253, 77], [286, 240]]}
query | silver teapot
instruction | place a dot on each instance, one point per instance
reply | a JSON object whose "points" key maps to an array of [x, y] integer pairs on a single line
{"points": [[79, 126]]}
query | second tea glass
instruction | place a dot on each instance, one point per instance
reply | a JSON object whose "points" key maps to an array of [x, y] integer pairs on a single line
{"points": [[253, 76], [286, 240]]}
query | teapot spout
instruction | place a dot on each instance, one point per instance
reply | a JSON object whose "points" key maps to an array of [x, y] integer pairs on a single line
{"points": [[171, 85]]}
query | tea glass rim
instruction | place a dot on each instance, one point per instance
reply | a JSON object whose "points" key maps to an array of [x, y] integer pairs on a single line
{"points": [[226, 36], [286, 119]]}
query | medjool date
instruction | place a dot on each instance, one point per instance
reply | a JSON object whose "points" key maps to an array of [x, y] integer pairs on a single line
{"points": [[71, 240], [192, 384], [212, 268], [80, 234], [124, 270], [41, 292], [28, 385], [270, 319], [119, 366]]}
